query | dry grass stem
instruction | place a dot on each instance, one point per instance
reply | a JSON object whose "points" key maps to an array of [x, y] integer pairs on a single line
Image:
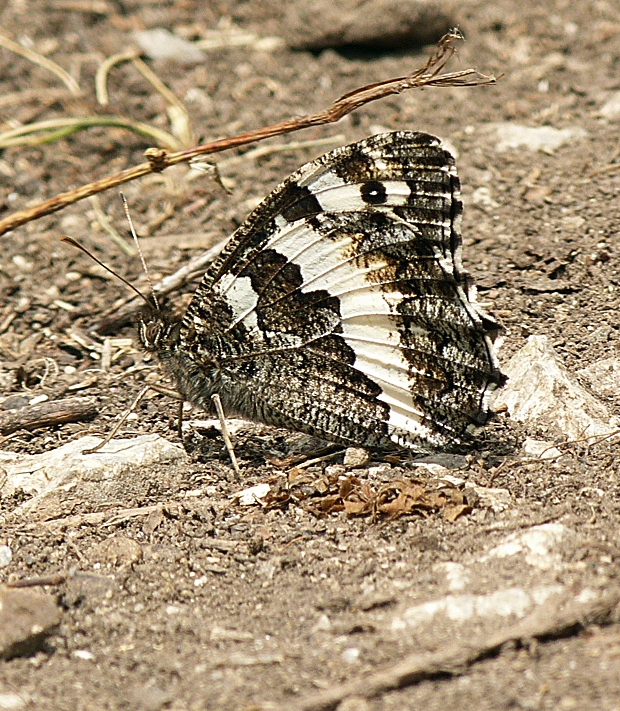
{"points": [[159, 159], [42, 61], [108, 227], [35, 134], [101, 77], [122, 419]]}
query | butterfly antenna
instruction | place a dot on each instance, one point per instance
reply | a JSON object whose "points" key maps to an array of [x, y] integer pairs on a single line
{"points": [[137, 243], [73, 243]]}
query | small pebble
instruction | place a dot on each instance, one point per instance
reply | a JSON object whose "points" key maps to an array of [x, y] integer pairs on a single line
{"points": [[159, 43], [351, 654], [5, 556], [335, 470], [355, 457], [14, 402], [11, 702], [323, 624], [379, 470]]}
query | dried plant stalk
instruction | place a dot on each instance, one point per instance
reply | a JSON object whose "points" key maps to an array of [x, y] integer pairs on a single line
{"points": [[159, 159]]}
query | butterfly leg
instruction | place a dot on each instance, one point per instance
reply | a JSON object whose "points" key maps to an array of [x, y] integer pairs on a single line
{"points": [[180, 422], [227, 441]]}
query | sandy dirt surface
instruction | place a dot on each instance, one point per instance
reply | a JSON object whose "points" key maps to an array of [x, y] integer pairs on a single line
{"points": [[170, 593]]}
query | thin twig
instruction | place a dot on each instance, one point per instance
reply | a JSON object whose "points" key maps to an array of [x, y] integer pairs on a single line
{"points": [[100, 518], [56, 579], [227, 441], [47, 414], [159, 159]]}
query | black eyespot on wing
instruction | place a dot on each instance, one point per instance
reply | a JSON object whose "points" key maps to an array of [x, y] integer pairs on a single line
{"points": [[373, 193]]}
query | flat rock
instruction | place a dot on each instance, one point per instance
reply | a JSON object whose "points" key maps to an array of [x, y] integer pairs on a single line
{"points": [[377, 24], [508, 602], [603, 377], [355, 457], [87, 589], [26, 618], [66, 468], [538, 546], [541, 391]]}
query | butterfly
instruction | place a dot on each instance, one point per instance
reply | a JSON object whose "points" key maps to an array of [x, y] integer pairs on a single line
{"points": [[340, 307]]}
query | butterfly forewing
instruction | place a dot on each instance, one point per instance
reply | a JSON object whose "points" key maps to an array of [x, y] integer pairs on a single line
{"points": [[341, 307]]}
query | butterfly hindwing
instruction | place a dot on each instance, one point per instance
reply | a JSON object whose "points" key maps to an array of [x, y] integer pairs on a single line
{"points": [[341, 308]]}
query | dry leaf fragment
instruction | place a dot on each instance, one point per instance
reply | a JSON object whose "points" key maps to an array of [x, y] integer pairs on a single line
{"points": [[452, 512]]}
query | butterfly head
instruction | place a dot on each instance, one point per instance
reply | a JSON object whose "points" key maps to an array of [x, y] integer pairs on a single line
{"points": [[155, 331]]}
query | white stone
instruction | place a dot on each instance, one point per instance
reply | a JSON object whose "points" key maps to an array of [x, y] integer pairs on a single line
{"points": [[159, 43], [585, 596], [603, 376], [436, 470], [611, 108], [482, 196], [379, 470], [323, 624], [9, 701], [513, 135], [457, 575], [233, 425], [538, 545], [540, 448], [5, 556], [541, 391], [355, 457], [452, 480], [65, 467], [350, 655], [252, 496], [496, 499], [460, 608]]}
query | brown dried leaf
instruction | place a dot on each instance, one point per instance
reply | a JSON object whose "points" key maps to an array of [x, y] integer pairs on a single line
{"points": [[153, 520], [357, 508], [453, 511], [348, 486], [329, 504], [323, 485], [293, 474]]}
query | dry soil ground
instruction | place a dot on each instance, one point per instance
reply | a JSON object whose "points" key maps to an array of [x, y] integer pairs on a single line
{"points": [[195, 602]]}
